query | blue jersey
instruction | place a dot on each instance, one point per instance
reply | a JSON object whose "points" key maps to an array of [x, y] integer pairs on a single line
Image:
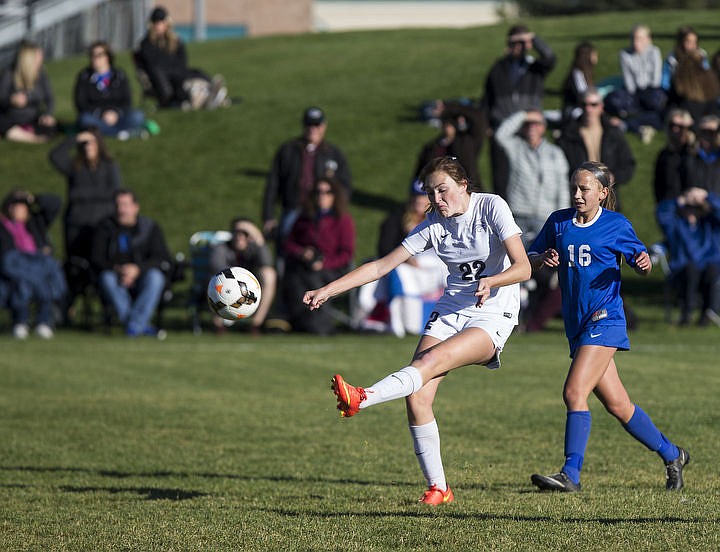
{"points": [[589, 269]]}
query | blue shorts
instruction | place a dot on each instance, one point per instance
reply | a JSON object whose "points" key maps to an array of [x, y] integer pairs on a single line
{"points": [[605, 336]]}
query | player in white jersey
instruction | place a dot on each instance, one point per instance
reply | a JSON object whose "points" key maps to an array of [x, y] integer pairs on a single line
{"points": [[477, 238], [586, 244]]}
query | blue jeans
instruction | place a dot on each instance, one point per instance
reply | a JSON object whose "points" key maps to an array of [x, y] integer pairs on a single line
{"points": [[130, 120], [147, 290]]}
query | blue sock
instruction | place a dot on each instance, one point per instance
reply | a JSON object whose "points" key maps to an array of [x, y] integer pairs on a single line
{"points": [[577, 433], [643, 429]]}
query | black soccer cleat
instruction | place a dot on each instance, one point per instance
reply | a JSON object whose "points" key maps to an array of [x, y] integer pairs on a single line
{"points": [[556, 482], [674, 471]]}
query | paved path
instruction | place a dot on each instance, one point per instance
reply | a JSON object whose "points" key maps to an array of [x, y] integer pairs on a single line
{"points": [[345, 16]]}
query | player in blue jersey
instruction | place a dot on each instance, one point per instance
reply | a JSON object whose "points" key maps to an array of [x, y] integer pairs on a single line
{"points": [[477, 238], [586, 245]]}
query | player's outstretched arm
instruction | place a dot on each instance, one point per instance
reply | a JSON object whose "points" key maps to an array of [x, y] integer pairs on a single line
{"points": [[365, 273], [643, 264]]}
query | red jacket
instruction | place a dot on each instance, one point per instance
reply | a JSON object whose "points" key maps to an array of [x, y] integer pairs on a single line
{"points": [[333, 238]]}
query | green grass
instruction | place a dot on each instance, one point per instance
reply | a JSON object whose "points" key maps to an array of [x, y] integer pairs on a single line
{"points": [[201, 443]]}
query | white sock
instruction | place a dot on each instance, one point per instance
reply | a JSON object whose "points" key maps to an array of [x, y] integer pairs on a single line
{"points": [[426, 440], [400, 384]]}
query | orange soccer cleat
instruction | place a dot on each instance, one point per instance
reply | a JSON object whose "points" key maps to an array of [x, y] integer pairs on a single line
{"points": [[435, 496], [348, 396]]}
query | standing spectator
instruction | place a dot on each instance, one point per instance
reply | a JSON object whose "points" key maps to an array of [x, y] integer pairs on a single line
{"points": [[247, 249], [319, 248], [691, 226], [103, 98], [93, 177], [594, 137], [26, 99], [163, 58], [463, 132], [297, 165], [538, 185], [515, 82], [26, 260], [130, 255], [579, 78], [641, 101], [671, 164]]}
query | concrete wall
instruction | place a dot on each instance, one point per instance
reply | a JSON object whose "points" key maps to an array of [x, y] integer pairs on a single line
{"points": [[260, 17]]}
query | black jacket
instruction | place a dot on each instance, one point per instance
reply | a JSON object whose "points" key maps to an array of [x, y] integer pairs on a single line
{"points": [[504, 97], [615, 152], [147, 247], [671, 173], [116, 97], [284, 179]]}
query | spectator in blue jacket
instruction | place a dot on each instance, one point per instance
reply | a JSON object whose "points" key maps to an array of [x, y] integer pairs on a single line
{"points": [[691, 225]]}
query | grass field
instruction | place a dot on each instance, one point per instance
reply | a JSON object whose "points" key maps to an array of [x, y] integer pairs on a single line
{"points": [[233, 443], [199, 443]]}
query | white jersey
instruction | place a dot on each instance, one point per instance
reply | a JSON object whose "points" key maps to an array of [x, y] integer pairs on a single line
{"points": [[471, 245]]}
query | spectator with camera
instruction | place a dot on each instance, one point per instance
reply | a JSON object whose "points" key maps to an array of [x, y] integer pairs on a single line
{"points": [[247, 249], [131, 258], [318, 249], [516, 82], [691, 226], [26, 261], [92, 179]]}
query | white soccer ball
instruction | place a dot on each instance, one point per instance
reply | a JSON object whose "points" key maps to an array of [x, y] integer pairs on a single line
{"points": [[234, 293]]}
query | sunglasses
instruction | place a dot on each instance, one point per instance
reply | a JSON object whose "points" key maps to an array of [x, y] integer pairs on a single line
{"points": [[591, 104], [676, 127]]}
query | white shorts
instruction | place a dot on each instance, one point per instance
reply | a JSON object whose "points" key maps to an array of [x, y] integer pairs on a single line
{"points": [[443, 326]]}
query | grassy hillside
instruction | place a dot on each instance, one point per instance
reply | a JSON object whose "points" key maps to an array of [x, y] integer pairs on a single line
{"points": [[206, 167]]}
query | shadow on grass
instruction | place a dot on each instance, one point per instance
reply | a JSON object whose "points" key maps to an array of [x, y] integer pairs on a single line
{"points": [[447, 512], [150, 493]]}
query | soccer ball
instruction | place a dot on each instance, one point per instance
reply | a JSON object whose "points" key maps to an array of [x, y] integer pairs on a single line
{"points": [[234, 293]]}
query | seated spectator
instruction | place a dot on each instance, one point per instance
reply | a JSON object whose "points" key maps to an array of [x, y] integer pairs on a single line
{"points": [[401, 301], [26, 261], [704, 165], [641, 101], [130, 256], [671, 164], [695, 87], [26, 99], [691, 225], [103, 98], [163, 57], [247, 249], [93, 177], [579, 78], [462, 135], [596, 137], [686, 41], [318, 249]]}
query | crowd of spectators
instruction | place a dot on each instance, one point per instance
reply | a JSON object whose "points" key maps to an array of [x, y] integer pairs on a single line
{"points": [[304, 210]]}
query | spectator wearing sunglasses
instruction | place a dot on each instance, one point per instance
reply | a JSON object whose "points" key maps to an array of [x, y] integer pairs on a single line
{"points": [[594, 137], [704, 169]]}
